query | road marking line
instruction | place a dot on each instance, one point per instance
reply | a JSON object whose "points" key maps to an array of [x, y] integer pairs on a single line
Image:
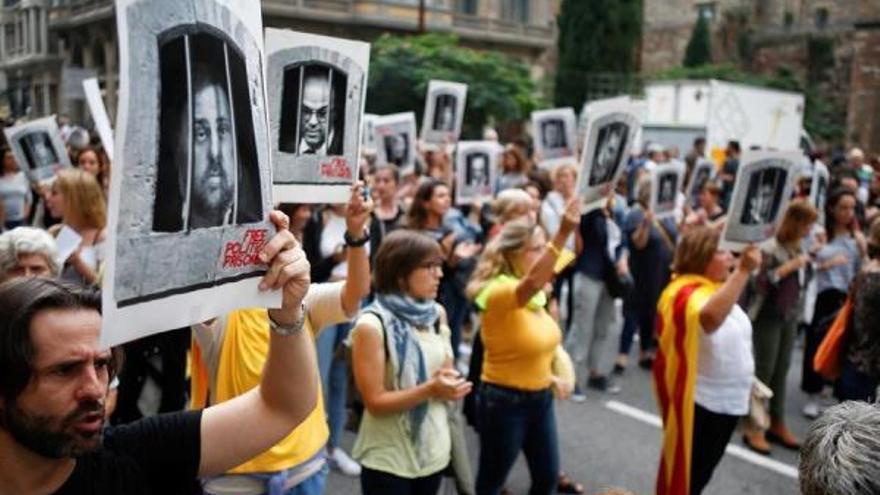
{"points": [[734, 450]]}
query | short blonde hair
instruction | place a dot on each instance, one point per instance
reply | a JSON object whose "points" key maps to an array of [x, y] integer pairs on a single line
{"points": [[565, 167], [495, 258], [84, 203], [508, 202], [695, 250]]}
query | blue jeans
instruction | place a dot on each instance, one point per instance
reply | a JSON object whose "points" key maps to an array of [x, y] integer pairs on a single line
{"points": [[313, 485], [855, 385], [512, 421], [271, 483], [334, 378]]}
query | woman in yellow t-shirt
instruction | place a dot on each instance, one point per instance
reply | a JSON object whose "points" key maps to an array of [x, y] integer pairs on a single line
{"points": [[402, 362], [520, 340]]}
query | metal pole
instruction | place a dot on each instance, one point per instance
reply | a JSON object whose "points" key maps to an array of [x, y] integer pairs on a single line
{"points": [[422, 16]]}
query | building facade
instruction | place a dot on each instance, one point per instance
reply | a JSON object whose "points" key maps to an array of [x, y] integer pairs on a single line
{"points": [[77, 38], [830, 46]]}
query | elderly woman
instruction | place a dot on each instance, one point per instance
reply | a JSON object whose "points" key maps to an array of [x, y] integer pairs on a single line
{"points": [[703, 372], [28, 252], [402, 361], [776, 310], [521, 341]]}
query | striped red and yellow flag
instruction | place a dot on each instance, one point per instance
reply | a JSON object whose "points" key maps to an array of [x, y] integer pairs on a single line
{"points": [[675, 376]]}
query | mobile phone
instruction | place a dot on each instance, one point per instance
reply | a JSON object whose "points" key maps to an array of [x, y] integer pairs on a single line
{"points": [[365, 192]]}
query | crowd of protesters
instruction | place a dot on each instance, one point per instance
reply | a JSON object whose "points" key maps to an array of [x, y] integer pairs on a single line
{"points": [[423, 317]]}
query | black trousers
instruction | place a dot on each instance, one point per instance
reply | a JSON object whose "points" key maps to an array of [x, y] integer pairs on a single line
{"points": [[828, 302], [381, 483], [712, 431]]}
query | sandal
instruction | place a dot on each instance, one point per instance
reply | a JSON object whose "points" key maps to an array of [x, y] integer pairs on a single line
{"points": [[568, 485]]}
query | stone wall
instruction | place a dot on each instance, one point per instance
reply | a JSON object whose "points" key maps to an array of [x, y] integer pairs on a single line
{"points": [[863, 119]]}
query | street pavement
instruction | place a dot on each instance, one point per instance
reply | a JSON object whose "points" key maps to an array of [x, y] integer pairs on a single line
{"points": [[614, 441]]}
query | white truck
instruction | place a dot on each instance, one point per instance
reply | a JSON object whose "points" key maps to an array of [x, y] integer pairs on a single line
{"points": [[677, 112]]}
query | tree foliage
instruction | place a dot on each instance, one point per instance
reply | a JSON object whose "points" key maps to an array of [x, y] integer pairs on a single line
{"points": [[595, 36], [500, 88], [699, 48]]}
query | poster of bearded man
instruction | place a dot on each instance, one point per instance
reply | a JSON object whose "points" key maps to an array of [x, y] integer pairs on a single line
{"points": [[317, 88], [38, 148], [191, 188]]}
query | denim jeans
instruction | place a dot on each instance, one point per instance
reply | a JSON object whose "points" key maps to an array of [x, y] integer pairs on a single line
{"points": [[855, 385], [267, 483], [512, 421], [334, 378]]}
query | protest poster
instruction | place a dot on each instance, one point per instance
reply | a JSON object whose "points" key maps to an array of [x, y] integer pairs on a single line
{"points": [[476, 165], [395, 138], [99, 115], [554, 136], [38, 148], [444, 112], [191, 189], [703, 172], [317, 88], [666, 181]]}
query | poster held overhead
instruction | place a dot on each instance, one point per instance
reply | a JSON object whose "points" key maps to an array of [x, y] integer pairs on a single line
{"points": [[99, 114], [761, 194], [819, 189], [703, 172], [368, 139], [317, 88], [191, 189], [395, 138], [666, 181], [611, 127], [38, 148], [476, 164], [554, 131], [444, 112]]}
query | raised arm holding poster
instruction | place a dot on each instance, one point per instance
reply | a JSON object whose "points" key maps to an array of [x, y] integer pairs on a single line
{"points": [[317, 88], [666, 179], [760, 195], [611, 127], [476, 164], [395, 138], [444, 112], [191, 189], [554, 136], [38, 148]]}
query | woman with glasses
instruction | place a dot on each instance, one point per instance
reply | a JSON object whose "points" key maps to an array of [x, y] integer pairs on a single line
{"points": [[402, 361], [521, 342]]}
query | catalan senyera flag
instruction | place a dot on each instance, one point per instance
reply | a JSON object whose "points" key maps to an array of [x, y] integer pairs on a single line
{"points": [[675, 376]]}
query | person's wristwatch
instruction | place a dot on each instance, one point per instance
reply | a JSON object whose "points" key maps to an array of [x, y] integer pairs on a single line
{"points": [[293, 328], [350, 242]]}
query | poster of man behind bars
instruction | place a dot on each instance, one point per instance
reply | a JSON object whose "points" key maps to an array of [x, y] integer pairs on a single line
{"points": [[191, 190], [317, 88]]}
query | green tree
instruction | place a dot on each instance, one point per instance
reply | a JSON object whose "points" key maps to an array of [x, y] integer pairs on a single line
{"points": [[595, 36], [699, 48], [500, 88]]}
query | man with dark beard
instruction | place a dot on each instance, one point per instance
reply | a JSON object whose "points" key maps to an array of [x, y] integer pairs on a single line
{"points": [[54, 378], [213, 149]]}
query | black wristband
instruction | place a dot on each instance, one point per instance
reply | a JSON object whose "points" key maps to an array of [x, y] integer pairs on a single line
{"points": [[356, 242]]}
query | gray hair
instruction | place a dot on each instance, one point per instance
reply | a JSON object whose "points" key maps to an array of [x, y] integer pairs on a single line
{"points": [[27, 240], [841, 454]]}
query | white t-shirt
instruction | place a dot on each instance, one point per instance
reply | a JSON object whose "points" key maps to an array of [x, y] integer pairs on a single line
{"points": [[726, 366], [15, 193]]}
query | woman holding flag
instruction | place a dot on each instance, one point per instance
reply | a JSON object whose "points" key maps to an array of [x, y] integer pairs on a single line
{"points": [[704, 369]]}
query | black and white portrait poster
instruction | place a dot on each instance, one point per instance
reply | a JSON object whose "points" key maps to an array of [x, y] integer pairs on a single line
{"points": [[368, 141], [554, 136], [703, 172], [191, 188], [761, 194], [819, 189], [395, 138], [99, 114], [611, 127], [38, 148], [317, 87], [476, 163], [444, 111], [666, 182]]}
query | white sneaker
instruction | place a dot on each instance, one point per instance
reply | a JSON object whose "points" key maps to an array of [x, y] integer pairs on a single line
{"points": [[811, 409], [343, 463]]}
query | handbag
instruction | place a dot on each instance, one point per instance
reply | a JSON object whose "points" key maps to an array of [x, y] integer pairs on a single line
{"points": [[759, 410], [828, 360]]}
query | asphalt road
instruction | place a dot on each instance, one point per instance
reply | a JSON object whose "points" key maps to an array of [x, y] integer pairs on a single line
{"points": [[614, 441]]}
